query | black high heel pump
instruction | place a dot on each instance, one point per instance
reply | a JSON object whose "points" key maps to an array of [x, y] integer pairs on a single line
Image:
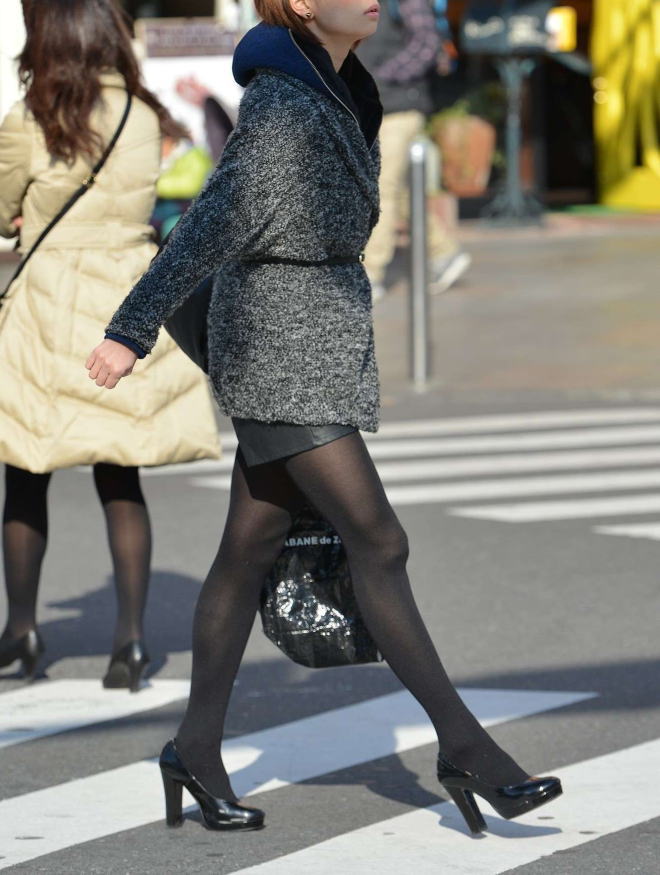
{"points": [[126, 667], [220, 814], [509, 801], [28, 648]]}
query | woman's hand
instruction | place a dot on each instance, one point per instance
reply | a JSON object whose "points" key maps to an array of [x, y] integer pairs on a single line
{"points": [[190, 89], [109, 362]]}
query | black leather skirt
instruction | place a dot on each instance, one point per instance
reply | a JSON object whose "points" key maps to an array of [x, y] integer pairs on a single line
{"points": [[262, 442]]}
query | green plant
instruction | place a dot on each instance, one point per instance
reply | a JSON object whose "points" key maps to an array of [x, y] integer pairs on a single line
{"points": [[487, 101]]}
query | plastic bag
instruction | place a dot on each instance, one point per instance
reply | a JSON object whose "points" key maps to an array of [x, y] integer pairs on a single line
{"points": [[308, 608]]}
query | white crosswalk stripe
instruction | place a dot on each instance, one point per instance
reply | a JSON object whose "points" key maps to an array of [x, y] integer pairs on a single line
{"points": [[525, 486], [47, 708], [462, 462], [641, 530], [416, 842], [130, 796], [537, 511]]}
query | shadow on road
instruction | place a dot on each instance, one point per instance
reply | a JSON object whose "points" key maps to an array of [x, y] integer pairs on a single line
{"points": [[275, 691]]}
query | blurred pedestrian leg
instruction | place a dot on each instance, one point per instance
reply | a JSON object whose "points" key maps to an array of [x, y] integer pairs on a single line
{"points": [[24, 539], [129, 538], [397, 133], [402, 56]]}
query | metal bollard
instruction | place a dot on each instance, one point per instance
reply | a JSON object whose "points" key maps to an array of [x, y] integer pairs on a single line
{"points": [[420, 346]]}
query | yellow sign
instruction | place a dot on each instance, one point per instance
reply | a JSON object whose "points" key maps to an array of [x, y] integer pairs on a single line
{"points": [[561, 25], [625, 50]]}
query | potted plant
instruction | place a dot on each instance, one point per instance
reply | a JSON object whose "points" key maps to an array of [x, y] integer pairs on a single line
{"points": [[466, 135]]}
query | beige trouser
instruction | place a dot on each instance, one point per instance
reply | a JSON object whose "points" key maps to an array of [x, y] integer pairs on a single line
{"points": [[398, 131]]}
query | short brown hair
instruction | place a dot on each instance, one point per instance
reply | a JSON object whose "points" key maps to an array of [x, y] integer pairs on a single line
{"points": [[280, 13]]}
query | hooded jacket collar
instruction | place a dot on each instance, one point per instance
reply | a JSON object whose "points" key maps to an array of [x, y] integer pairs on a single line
{"points": [[278, 48]]}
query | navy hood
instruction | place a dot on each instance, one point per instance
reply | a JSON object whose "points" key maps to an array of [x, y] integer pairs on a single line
{"points": [[278, 48]]}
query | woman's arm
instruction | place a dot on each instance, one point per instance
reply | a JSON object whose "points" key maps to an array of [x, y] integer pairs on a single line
{"points": [[15, 156], [230, 219]]}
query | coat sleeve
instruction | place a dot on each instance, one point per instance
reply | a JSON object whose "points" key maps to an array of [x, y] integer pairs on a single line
{"points": [[15, 158], [229, 220]]}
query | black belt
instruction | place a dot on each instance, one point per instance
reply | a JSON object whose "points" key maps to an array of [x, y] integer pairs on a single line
{"points": [[299, 262]]}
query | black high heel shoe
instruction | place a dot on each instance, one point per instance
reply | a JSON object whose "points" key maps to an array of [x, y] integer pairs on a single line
{"points": [[509, 801], [217, 813], [28, 648], [126, 667]]}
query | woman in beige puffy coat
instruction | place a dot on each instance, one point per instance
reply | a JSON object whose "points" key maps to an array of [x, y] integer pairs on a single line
{"points": [[77, 65]]}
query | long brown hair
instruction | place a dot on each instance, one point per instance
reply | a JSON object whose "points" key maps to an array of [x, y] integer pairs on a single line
{"points": [[279, 12], [69, 44]]}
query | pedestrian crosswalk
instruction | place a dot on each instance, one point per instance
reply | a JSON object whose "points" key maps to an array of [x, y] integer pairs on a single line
{"points": [[128, 797], [45, 709], [426, 841], [432, 840], [599, 468], [603, 462]]}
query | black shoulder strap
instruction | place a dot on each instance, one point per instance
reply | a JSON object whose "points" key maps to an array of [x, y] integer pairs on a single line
{"points": [[87, 184]]}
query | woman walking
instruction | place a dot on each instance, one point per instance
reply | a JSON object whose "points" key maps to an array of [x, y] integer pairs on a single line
{"points": [[283, 221], [78, 69]]}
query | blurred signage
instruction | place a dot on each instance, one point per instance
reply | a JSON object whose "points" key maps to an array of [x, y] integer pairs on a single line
{"points": [[195, 52], [184, 37], [561, 25], [506, 27]]}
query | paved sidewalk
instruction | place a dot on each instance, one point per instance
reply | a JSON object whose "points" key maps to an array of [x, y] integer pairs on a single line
{"points": [[568, 310]]}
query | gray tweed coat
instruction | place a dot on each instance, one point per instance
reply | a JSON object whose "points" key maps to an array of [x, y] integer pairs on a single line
{"points": [[297, 179]]}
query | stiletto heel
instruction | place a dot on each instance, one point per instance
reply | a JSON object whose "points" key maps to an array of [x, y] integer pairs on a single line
{"points": [[509, 801], [126, 667], [173, 796], [220, 814], [466, 804], [135, 676], [28, 648]]}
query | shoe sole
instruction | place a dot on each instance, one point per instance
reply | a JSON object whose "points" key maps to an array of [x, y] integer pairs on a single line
{"points": [[230, 827], [452, 275], [533, 803], [120, 677]]}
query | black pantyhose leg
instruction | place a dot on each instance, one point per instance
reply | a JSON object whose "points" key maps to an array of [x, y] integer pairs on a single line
{"points": [[129, 536], [260, 510], [24, 539], [342, 482]]}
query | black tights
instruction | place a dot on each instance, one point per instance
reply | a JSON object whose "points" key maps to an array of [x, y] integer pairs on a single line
{"points": [[25, 535], [341, 481]]}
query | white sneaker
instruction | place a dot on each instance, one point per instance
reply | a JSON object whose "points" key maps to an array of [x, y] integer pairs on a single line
{"points": [[444, 272]]}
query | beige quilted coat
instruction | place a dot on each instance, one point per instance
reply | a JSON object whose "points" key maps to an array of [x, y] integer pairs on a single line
{"points": [[51, 414]]}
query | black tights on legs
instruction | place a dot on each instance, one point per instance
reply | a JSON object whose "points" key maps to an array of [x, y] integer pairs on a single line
{"points": [[24, 539], [25, 533], [261, 505], [129, 537], [342, 482]]}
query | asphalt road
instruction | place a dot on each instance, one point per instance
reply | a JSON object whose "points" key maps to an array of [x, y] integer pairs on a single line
{"points": [[532, 501]]}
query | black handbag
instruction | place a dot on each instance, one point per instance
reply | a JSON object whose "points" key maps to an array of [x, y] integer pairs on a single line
{"points": [[308, 607], [187, 326], [75, 197]]}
